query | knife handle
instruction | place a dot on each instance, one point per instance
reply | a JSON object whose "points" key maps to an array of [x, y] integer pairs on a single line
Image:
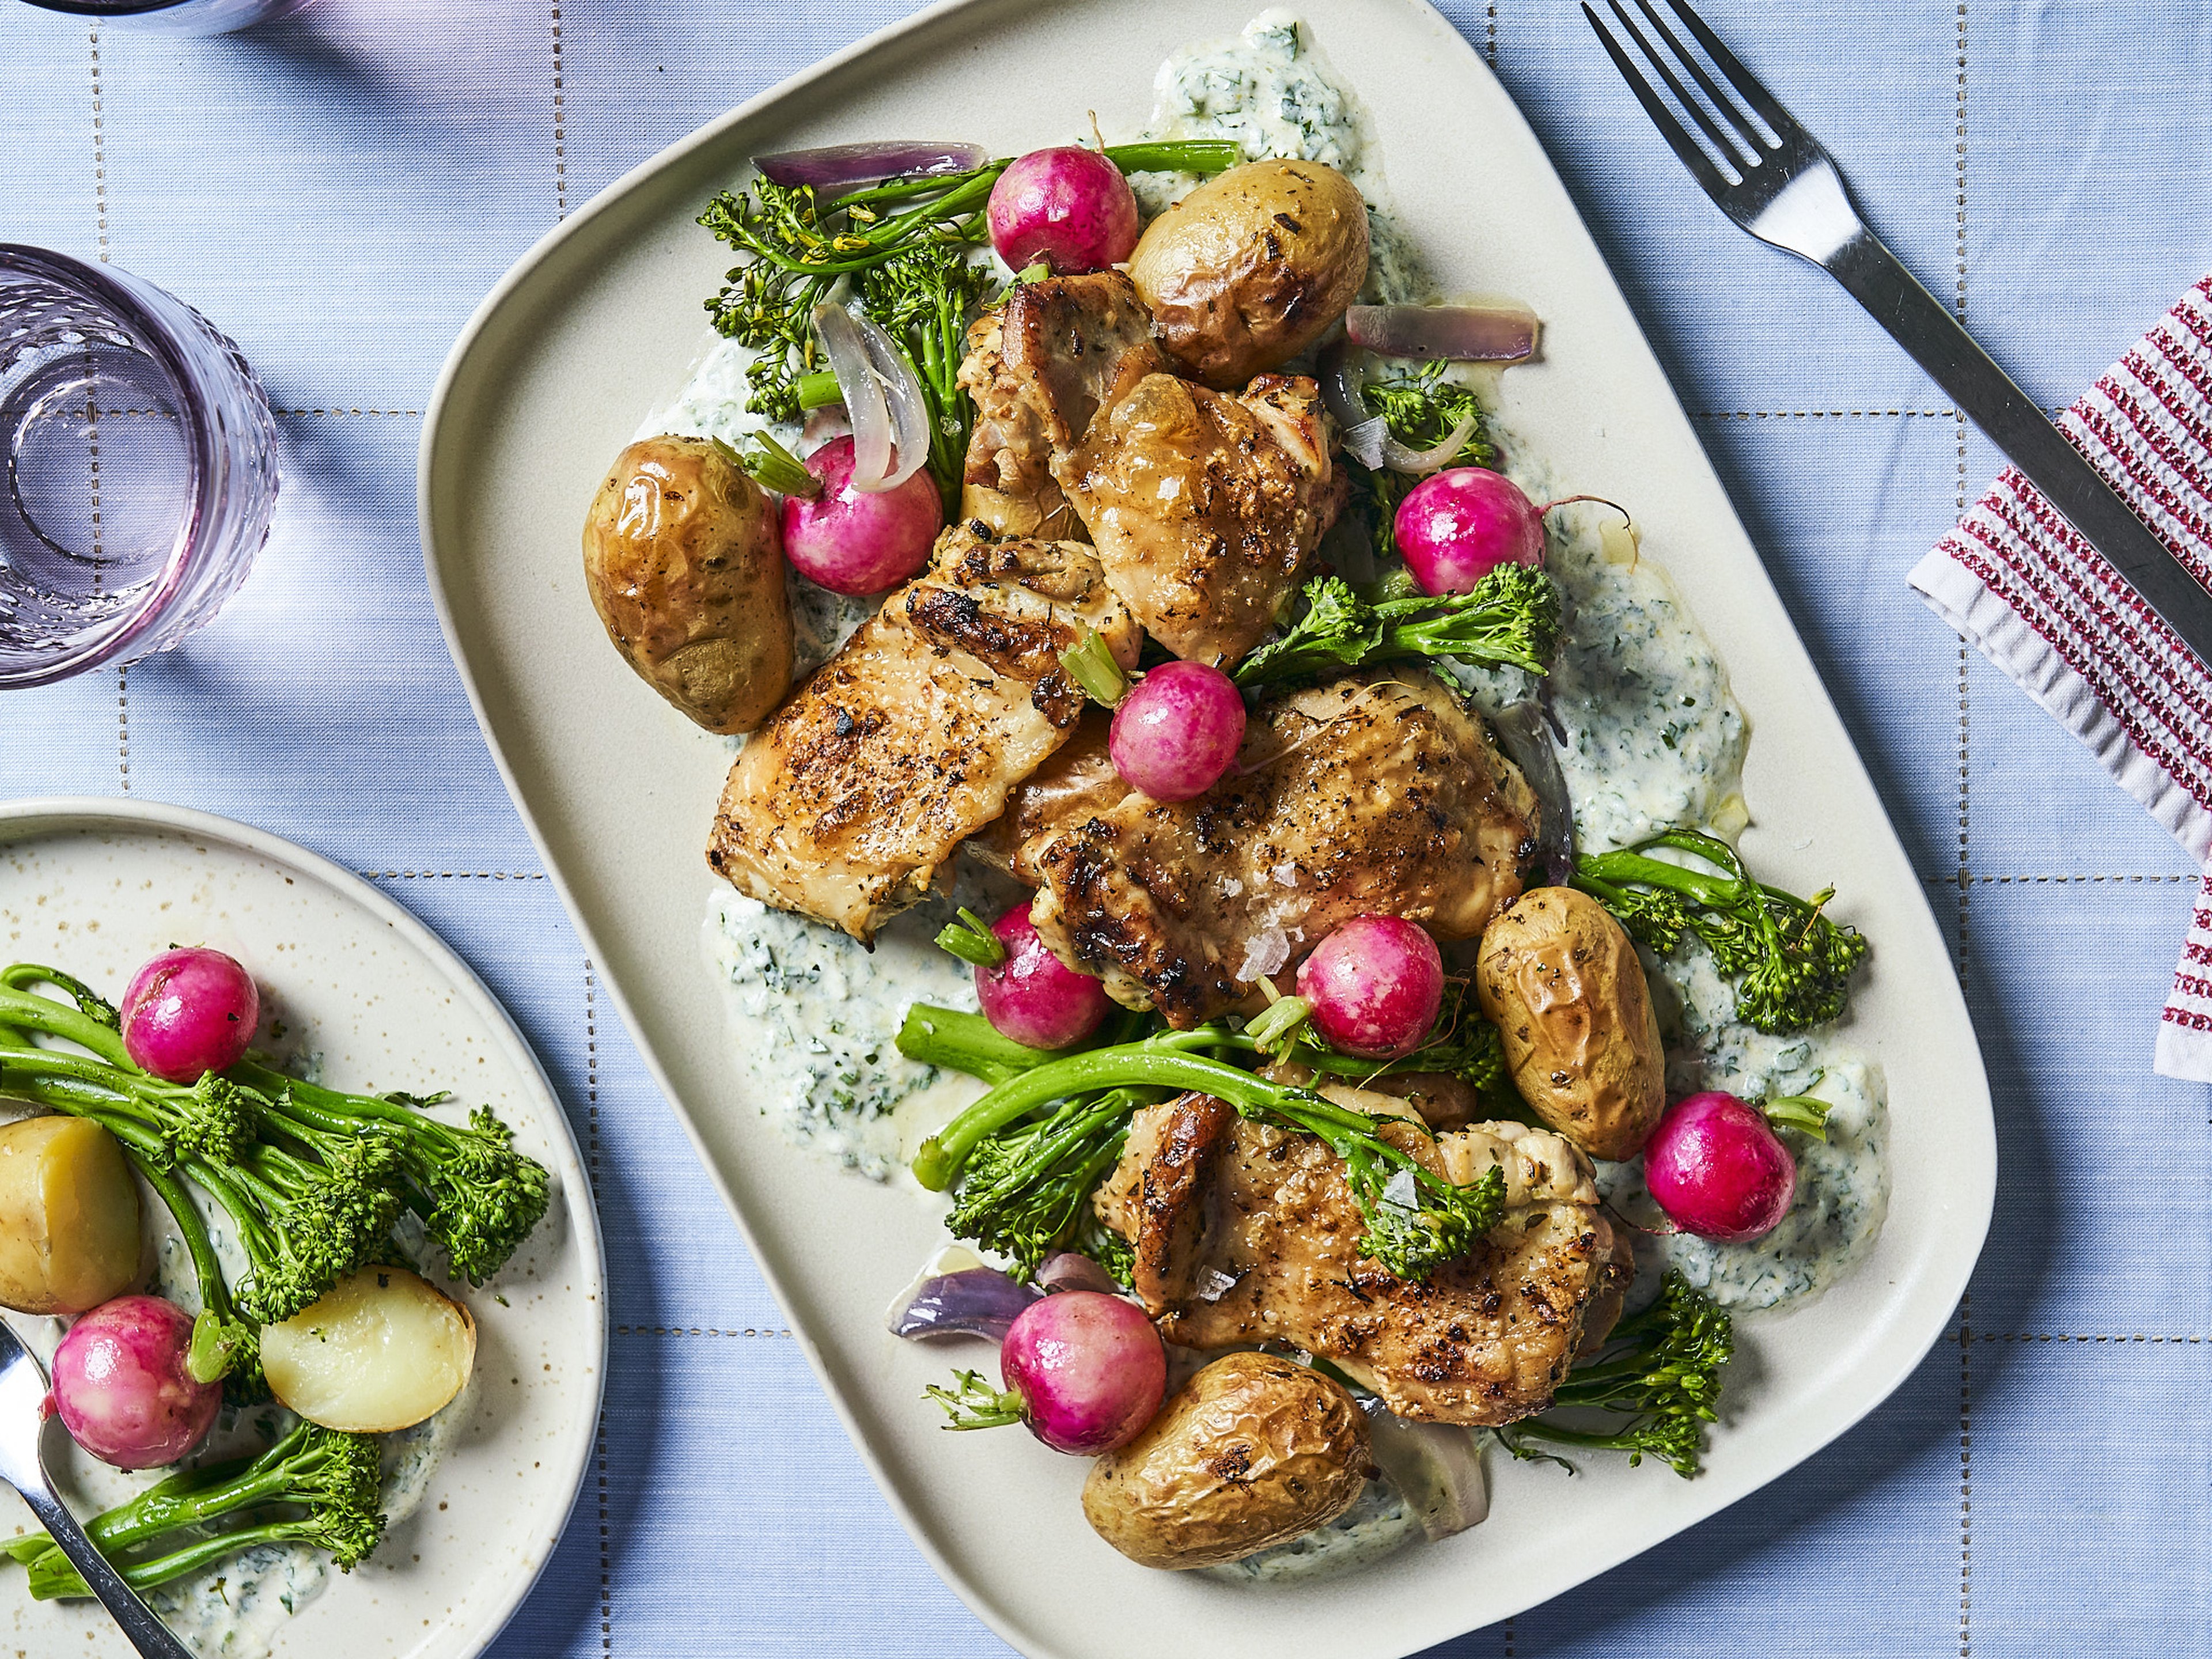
{"points": [[2009, 418]]}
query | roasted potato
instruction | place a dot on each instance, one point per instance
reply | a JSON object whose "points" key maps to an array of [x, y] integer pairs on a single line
{"points": [[1252, 1451], [380, 1350], [684, 558], [1251, 267], [69, 1217], [1560, 979]]}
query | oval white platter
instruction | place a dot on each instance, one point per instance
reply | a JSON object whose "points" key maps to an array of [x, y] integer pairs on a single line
{"points": [[94, 887], [600, 323]]}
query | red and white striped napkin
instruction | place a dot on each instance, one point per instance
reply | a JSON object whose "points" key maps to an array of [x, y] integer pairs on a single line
{"points": [[2043, 606]]}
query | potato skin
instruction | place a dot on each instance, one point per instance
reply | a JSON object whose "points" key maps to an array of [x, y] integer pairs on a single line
{"points": [[1251, 1452], [1251, 267], [1560, 979], [684, 557], [69, 1217]]}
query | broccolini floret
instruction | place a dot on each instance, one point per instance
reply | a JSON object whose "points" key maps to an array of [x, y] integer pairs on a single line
{"points": [[1511, 616], [1660, 1371], [1791, 966], [330, 1479]]}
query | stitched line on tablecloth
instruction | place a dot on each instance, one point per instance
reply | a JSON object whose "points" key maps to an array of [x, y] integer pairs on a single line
{"points": [[697, 1330], [2051, 881], [592, 1141], [560, 128], [451, 875], [1490, 50], [99, 149], [1966, 890], [2065, 1336]]}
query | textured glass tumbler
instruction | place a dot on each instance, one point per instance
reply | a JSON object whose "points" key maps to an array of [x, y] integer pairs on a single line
{"points": [[140, 467], [178, 16]]}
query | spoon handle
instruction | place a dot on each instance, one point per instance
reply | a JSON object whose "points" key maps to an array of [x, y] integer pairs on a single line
{"points": [[147, 1633]]}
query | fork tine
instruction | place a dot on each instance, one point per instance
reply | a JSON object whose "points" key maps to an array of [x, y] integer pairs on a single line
{"points": [[1785, 124], [1699, 164], [1659, 62], [1721, 100]]}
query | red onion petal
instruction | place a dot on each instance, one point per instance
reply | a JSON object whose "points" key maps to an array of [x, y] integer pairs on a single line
{"points": [[910, 410], [863, 392], [975, 1302], [1503, 332], [833, 166], [1399, 459], [1435, 1466], [1520, 732], [1365, 441], [1340, 383], [1070, 1271]]}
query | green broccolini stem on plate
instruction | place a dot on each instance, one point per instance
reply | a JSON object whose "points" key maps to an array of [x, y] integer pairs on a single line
{"points": [[1511, 617], [970, 938], [958, 1042], [1416, 1220]]}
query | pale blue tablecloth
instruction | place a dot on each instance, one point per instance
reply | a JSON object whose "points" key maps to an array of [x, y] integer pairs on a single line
{"points": [[338, 192]]}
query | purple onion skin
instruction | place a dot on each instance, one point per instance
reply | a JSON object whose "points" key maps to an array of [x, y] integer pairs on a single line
{"points": [[1033, 996], [854, 542], [1716, 1166], [1089, 1368], [121, 1388], [1071, 1271], [975, 1302], [188, 1012], [1467, 334], [1376, 984], [1070, 208], [834, 166], [1456, 526], [1177, 732]]}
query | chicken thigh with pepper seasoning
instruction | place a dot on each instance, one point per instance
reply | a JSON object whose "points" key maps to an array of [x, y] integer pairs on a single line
{"points": [[1244, 1233], [1378, 793], [844, 804]]}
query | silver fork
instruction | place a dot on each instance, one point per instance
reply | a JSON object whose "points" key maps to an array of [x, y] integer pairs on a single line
{"points": [[23, 1466], [1786, 191]]}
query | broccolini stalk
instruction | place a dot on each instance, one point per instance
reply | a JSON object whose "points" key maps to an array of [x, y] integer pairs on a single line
{"points": [[1421, 411], [334, 1477], [1791, 966], [1023, 1190], [930, 1035], [1511, 616], [1661, 1369], [1416, 1220]]}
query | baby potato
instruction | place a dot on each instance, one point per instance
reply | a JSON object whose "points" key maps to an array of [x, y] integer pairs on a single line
{"points": [[1251, 1452], [684, 558], [381, 1350], [69, 1216], [1250, 268], [1560, 979]]}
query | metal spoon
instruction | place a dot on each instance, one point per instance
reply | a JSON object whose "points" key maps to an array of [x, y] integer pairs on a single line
{"points": [[22, 1465]]}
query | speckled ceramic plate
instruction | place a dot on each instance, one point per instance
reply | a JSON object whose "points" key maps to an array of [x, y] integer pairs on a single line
{"points": [[599, 323], [95, 887]]}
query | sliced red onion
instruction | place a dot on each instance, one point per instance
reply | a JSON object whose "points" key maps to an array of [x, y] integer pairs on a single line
{"points": [[1069, 1271], [1502, 332], [974, 1301], [832, 166], [863, 392], [1341, 379], [1528, 744], [910, 410], [1437, 1466], [1365, 441]]}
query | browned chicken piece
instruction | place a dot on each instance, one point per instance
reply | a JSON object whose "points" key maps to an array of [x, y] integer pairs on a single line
{"points": [[1245, 1233], [1205, 505], [1374, 794], [1039, 367], [843, 806]]}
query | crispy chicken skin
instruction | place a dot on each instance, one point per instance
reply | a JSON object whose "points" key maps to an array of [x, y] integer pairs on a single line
{"points": [[1039, 367], [1374, 794], [1205, 504], [1245, 1233], [843, 806]]}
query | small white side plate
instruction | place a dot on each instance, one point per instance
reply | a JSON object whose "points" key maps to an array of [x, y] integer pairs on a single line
{"points": [[598, 325], [95, 887]]}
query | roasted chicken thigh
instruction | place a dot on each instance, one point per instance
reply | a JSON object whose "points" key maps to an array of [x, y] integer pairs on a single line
{"points": [[1374, 794], [1205, 504], [1039, 367], [845, 803], [1244, 1233]]}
